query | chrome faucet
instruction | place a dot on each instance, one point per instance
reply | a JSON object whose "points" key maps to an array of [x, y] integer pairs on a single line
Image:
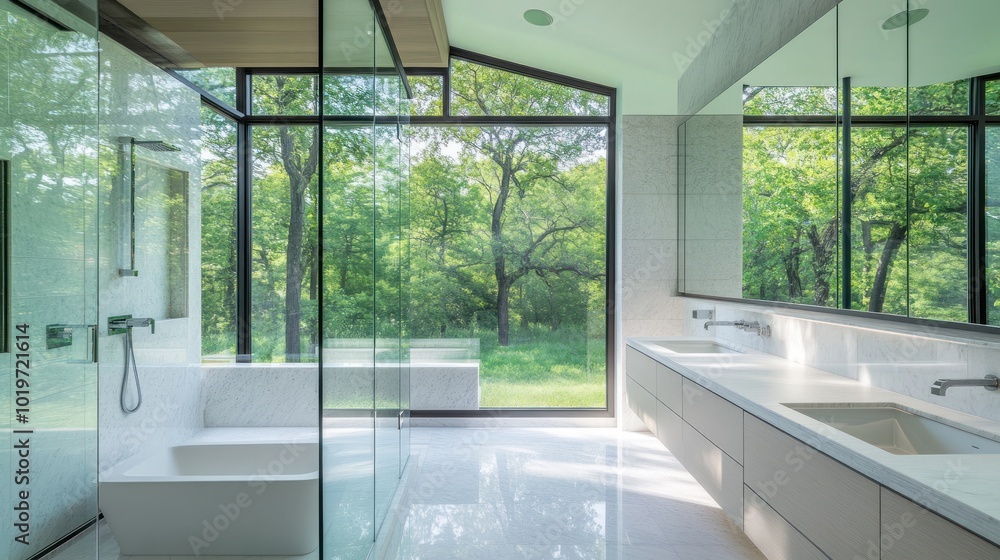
{"points": [[941, 386], [129, 322], [746, 326]]}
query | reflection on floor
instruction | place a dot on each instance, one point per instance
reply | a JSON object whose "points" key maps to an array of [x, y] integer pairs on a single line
{"points": [[534, 493], [557, 493]]}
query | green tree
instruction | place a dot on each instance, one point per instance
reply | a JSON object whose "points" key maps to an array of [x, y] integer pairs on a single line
{"points": [[523, 173]]}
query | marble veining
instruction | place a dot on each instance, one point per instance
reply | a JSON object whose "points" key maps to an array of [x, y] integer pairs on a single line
{"points": [[267, 395], [958, 487]]}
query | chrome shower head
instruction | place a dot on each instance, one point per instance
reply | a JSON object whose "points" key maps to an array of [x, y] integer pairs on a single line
{"points": [[156, 145]]}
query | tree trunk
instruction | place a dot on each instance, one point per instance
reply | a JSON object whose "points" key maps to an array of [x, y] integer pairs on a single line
{"points": [[503, 311], [792, 263], [293, 276], [897, 234], [823, 251], [300, 174], [504, 282]]}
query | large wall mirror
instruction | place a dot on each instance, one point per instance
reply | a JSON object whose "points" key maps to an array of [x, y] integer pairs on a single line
{"points": [[856, 168]]}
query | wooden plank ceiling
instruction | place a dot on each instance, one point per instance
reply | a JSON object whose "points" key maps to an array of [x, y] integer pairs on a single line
{"points": [[419, 32], [276, 33]]}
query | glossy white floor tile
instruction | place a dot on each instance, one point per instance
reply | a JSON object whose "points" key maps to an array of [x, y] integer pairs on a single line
{"points": [[531, 493], [559, 493]]}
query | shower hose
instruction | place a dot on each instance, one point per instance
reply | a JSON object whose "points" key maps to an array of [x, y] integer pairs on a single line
{"points": [[134, 370]]}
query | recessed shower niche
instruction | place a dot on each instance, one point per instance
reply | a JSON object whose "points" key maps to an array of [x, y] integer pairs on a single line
{"points": [[152, 214]]}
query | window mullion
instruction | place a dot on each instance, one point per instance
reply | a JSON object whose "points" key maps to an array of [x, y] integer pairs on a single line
{"points": [[244, 247], [978, 283]]}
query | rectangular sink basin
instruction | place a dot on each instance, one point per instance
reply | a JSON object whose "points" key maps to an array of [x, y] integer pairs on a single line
{"points": [[694, 347], [890, 428]]}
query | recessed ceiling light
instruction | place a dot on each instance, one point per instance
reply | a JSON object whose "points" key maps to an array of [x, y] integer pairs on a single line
{"points": [[902, 19], [538, 17]]}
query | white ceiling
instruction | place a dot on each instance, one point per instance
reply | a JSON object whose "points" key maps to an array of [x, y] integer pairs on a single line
{"points": [[634, 45]]}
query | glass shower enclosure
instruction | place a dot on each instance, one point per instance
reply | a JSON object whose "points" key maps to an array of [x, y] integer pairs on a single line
{"points": [[365, 224], [77, 252], [48, 194]]}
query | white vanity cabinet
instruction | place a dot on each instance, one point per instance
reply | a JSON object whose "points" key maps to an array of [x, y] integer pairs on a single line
{"points": [[832, 506], [640, 375], [701, 429], [912, 532], [793, 501]]}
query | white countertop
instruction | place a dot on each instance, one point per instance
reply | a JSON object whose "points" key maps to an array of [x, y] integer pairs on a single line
{"points": [[963, 488]]}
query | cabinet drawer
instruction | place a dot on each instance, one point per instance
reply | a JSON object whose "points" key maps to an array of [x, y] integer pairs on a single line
{"points": [[716, 418], [831, 505], [669, 430], [718, 473], [911, 532], [642, 368], [669, 388], [642, 402], [772, 534]]}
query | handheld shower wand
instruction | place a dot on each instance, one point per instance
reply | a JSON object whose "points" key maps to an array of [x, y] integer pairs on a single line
{"points": [[123, 325]]}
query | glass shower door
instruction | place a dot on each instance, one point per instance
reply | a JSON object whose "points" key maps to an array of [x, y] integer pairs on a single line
{"points": [[48, 306], [348, 359]]}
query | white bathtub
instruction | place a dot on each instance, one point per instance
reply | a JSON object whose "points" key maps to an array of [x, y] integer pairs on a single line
{"points": [[216, 499]]}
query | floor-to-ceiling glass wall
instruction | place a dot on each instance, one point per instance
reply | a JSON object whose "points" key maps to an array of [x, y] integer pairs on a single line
{"points": [[48, 283], [364, 222]]}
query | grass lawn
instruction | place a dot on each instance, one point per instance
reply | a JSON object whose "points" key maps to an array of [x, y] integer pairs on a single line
{"points": [[561, 370]]}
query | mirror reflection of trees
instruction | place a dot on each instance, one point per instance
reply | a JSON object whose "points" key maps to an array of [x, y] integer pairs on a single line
{"points": [[909, 201]]}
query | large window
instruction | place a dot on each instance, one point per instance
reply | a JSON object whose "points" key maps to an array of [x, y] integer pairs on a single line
{"points": [[508, 256], [218, 236], [509, 213]]}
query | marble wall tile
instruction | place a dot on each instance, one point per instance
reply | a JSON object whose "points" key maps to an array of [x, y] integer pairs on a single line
{"points": [[646, 260], [139, 100], [268, 395], [652, 327], [652, 303], [714, 217], [649, 154], [649, 216]]}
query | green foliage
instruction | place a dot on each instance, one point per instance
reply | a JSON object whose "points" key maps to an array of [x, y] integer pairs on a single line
{"points": [[218, 234], [542, 368], [758, 100], [427, 95], [482, 90]]}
